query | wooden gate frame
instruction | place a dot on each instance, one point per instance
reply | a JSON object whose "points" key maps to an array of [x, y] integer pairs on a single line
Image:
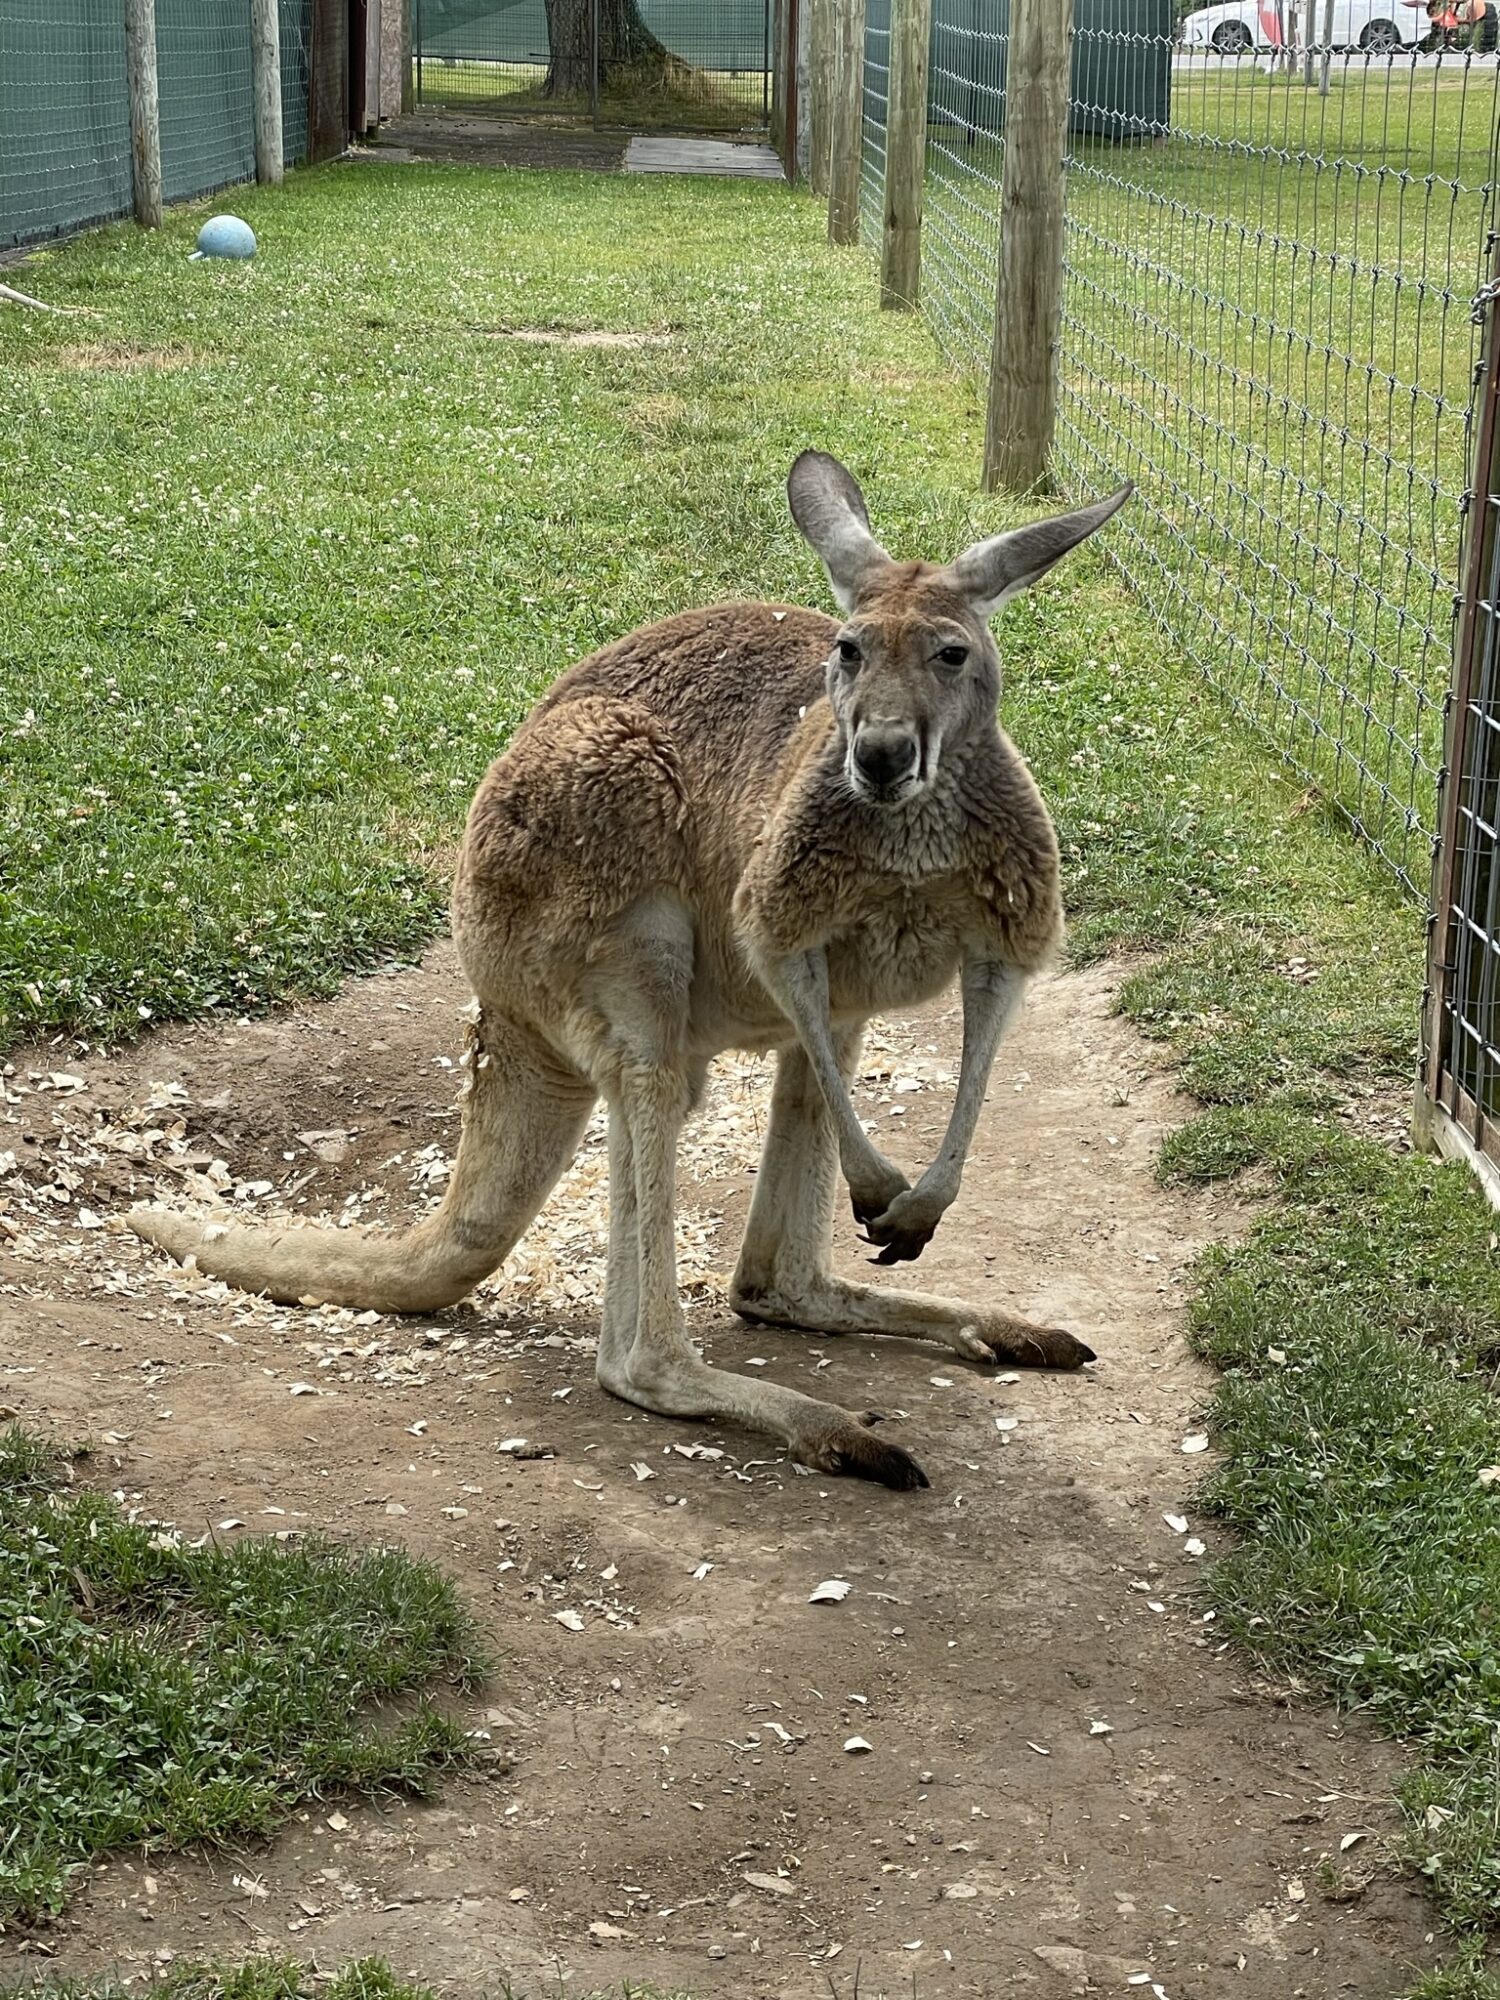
{"points": [[787, 27], [1446, 1119], [328, 66]]}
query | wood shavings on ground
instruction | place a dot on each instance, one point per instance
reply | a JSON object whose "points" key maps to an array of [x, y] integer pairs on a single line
{"points": [[85, 1148], [559, 1264]]}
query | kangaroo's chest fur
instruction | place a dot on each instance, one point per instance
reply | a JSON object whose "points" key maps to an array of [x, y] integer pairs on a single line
{"points": [[897, 946], [698, 760]]}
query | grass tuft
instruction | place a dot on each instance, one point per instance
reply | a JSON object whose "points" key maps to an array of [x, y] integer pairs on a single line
{"points": [[1359, 1331], [159, 1693], [274, 1978]]}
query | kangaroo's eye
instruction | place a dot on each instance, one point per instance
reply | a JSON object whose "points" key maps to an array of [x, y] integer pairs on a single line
{"points": [[849, 653], [953, 656]]}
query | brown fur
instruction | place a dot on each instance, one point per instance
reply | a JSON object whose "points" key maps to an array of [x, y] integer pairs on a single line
{"points": [[684, 850]]}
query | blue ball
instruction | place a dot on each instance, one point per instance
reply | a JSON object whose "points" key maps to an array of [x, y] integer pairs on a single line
{"points": [[226, 236]]}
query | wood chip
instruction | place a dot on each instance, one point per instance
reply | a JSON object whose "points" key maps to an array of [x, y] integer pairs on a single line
{"points": [[774, 1885]]}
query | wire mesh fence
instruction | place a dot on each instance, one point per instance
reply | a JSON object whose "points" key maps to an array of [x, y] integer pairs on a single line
{"points": [[1278, 215], [877, 93], [64, 117], [296, 48], [699, 64], [65, 158], [203, 76]]}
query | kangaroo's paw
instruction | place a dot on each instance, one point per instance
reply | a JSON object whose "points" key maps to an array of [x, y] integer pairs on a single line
{"points": [[994, 1337], [850, 1447]]}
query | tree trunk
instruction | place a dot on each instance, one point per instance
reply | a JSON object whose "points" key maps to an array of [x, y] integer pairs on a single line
{"points": [[625, 43], [570, 72]]}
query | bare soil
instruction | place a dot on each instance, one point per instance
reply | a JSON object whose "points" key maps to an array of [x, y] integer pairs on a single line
{"points": [[1072, 1783]]}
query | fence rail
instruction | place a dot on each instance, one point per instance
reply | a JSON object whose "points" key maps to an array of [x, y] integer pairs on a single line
{"points": [[65, 156], [1274, 237]]}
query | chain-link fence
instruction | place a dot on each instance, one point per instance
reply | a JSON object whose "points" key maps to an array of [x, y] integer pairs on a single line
{"points": [[1278, 215], [65, 117]]}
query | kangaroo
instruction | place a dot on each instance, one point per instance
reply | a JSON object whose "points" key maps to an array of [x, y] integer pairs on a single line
{"points": [[751, 827]]}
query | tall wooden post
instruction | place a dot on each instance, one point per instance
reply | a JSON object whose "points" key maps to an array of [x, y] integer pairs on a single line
{"points": [[848, 137], [145, 116], [408, 82], [265, 74], [1022, 411], [821, 60], [905, 153]]}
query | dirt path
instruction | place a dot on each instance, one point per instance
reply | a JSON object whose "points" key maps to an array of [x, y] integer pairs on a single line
{"points": [[681, 1806], [450, 138]]}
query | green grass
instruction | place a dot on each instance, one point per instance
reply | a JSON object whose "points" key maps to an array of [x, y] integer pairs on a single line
{"points": [[265, 612], [1464, 1979], [272, 1978], [157, 1693], [267, 1978], [1359, 1332]]}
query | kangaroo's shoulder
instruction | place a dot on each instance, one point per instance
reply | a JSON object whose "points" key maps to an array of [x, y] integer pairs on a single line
{"points": [[720, 661]]}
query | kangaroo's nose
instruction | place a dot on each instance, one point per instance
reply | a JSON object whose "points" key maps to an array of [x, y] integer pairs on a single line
{"points": [[885, 756]]}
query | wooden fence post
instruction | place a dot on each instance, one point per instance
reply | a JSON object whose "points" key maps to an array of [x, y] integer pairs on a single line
{"points": [[1022, 410], [265, 70], [145, 116], [408, 82], [1327, 62], [821, 59], [848, 133], [905, 153]]}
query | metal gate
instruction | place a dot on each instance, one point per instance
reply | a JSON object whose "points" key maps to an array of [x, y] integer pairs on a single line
{"points": [[1459, 1104], [658, 65]]}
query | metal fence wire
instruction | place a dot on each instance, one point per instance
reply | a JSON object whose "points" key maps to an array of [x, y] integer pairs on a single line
{"points": [[877, 92], [1278, 217], [65, 117]]}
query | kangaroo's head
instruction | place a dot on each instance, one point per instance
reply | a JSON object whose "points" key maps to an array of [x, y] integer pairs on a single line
{"points": [[915, 671]]}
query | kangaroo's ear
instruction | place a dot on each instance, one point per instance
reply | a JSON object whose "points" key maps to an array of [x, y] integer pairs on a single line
{"points": [[829, 508], [992, 572]]}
